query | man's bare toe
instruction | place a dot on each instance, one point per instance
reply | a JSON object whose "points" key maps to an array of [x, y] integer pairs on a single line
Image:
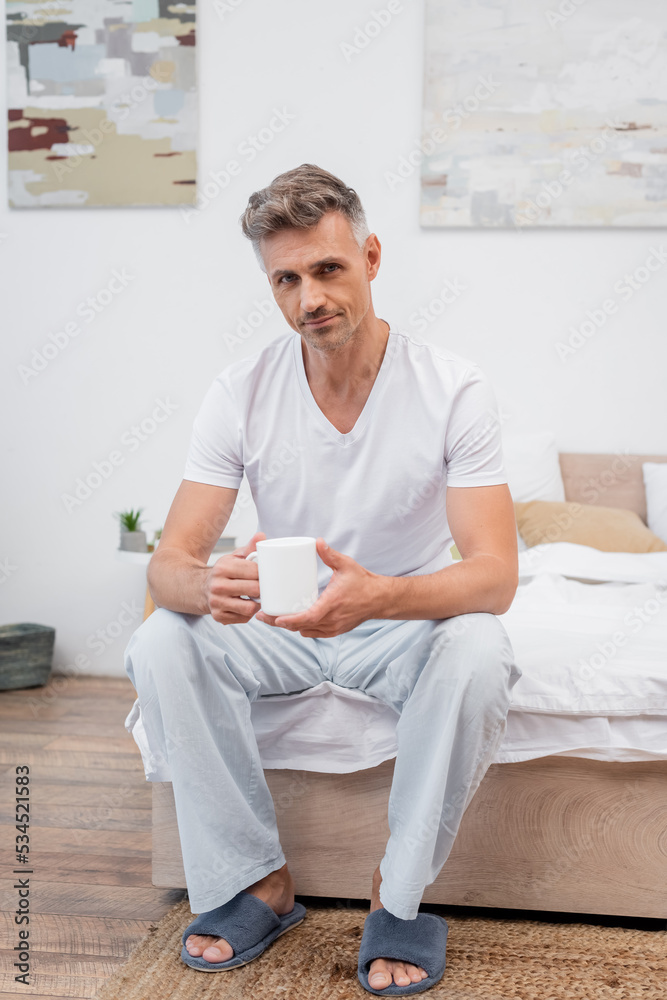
{"points": [[416, 972], [211, 949], [384, 971]]}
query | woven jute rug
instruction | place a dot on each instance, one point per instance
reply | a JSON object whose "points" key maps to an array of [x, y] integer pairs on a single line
{"points": [[487, 959]]}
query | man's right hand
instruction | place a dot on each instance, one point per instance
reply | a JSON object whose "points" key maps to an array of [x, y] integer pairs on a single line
{"points": [[228, 578]]}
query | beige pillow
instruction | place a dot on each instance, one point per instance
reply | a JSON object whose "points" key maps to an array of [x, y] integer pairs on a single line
{"points": [[610, 529]]}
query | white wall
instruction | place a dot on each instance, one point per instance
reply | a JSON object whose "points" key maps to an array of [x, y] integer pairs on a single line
{"points": [[194, 278]]}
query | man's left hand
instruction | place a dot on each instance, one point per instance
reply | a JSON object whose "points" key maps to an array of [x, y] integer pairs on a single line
{"points": [[349, 599]]}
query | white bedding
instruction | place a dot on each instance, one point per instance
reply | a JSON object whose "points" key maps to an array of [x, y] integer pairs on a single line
{"points": [[581, 562], [594, 681]]}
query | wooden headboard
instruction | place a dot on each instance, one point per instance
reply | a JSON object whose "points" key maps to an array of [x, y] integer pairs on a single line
{"points": [[606, 480]]}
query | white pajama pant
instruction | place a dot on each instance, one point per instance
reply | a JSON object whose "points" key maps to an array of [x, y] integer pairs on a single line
{"points": [[450, 680]]}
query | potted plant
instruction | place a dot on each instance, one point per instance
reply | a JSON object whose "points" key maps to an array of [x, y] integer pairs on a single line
{"points": [[156, 538], [226, 543], [132, 539]]}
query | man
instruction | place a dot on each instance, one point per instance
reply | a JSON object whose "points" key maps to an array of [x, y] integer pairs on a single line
{"points": [[398, 455]]}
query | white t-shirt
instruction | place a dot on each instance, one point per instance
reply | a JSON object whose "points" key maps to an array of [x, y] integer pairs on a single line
{"points": [[376, 493]]}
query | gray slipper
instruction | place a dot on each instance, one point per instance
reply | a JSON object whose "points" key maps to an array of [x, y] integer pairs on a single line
{"points": [[421, 942], [247, 922]]}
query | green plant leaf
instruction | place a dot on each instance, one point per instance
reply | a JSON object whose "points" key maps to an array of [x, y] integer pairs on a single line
{"points": [[130, 519]]}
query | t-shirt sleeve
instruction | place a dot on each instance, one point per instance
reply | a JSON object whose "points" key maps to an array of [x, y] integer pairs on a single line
{"points": [[473, 443], [215, 454]]}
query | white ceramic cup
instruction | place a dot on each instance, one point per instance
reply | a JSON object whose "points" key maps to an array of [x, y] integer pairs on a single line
{"points": [[287, 574]]}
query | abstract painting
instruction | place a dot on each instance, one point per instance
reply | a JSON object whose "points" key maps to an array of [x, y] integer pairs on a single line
{"points": [[102, 102], [544, 113]]}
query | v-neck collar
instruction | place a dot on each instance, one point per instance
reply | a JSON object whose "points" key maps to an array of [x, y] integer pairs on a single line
{"points": [[369, 406]]}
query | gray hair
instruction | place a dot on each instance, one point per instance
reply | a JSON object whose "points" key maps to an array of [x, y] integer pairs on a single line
{"points": [[298, 199]]}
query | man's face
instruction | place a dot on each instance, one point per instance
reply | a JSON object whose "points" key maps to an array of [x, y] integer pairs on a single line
{"points": [[320, 278]]}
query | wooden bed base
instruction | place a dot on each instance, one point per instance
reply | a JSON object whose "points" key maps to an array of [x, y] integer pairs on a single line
{"points": [[557, 833]]}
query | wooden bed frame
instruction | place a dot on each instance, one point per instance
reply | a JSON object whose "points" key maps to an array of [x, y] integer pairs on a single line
{"points": [[555, 833]]}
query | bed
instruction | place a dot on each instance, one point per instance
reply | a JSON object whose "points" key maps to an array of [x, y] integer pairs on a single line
{"points": [[571, 815]]}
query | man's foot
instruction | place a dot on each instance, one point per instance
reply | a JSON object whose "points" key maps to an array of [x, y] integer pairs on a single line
{"points": [[275, 889], [384, 971]]}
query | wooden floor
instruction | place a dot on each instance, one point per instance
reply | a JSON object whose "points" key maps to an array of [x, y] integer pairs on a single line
{"points": [[90, 835]]}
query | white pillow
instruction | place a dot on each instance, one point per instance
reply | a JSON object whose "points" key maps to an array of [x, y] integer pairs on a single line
{"points": [[655, 483], [532, 466]]}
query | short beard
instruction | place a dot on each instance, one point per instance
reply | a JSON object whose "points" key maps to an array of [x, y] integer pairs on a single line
{"points": [[343, 335]]}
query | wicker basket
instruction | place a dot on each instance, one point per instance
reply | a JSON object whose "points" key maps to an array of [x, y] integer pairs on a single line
{"points": [[26, 654]]}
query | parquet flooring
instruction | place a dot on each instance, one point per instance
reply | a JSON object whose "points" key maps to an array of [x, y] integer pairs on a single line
{"points": [[91, 897]]}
